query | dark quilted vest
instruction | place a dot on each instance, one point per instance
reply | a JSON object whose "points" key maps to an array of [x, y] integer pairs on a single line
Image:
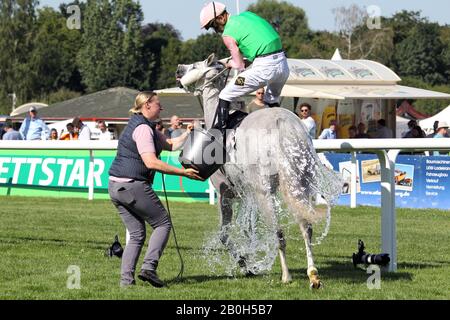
{"points": [[128, 163]]}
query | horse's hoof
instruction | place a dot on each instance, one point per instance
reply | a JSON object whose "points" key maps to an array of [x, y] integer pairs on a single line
{"points": [[286, 279], [249, 274], [315, 284]]}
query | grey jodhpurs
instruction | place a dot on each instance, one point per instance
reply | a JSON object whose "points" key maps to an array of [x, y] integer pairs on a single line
{"points": [[137, 203]]}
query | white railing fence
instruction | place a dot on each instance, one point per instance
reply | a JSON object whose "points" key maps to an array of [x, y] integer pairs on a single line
{"points": [[386, 150]]}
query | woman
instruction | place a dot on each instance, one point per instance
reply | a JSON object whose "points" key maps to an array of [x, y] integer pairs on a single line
{"points": [[130, 187], [53, 134]]}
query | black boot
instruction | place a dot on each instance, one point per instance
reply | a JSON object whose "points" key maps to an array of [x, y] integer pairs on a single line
{"points": [[222, 115]]}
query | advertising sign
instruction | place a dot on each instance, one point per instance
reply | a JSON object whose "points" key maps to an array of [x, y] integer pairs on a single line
{"points": [[420, 182], [67, 174]]}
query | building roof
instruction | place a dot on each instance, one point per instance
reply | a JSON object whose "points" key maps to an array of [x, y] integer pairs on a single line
{"points": [[115, 103]]}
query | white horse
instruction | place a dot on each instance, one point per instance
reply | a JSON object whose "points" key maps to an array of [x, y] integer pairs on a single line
{"points": [[272, 163]]}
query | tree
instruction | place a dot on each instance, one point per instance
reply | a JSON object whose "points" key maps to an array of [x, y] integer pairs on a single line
{"points": [[157, 36], [112, 48], [53, 59], [421, 54], [130, 17], [402, 23], [206, 44], [171, 55], [17, 20], [445, 39], [347, 20], [362, 41], [321, 45], [290, 22]]}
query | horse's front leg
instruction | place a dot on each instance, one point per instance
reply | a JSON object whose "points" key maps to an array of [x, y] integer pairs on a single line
{"points": [[313, 274], [225, 199]]}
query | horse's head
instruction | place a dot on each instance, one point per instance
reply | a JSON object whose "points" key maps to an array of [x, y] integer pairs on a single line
{"points": [[194, 76]]}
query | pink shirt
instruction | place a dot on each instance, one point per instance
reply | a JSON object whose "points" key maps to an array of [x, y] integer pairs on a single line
{"points": [[143, 136]]}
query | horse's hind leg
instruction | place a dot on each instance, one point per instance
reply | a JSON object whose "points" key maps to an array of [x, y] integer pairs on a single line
{"points": [[313, 274], [274, 182], [285, 276]]}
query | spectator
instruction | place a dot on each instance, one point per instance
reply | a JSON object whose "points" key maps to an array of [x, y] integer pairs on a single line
{"points": [[329, 133], [362, 131], [53, 134], [160, 127], [105, 134], [435, 127], [33, 128], [175, 127], [83, 131], [257, 103], [352, 132], [415, 131], [10, 133], [411, 125], [383, 132], [70, 134], [304, 112], [441, 132]]}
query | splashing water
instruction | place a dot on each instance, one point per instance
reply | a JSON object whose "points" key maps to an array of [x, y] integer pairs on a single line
{"points": [[279, 182]]}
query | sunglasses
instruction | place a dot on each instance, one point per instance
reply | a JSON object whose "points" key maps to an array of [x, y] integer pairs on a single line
{"points": [[304, 110], [211, 24]]}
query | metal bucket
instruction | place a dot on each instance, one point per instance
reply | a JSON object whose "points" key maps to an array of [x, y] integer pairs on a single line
{"points": [[204, 152]]}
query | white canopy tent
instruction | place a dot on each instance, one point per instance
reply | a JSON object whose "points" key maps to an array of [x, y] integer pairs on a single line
{"points": [[25, 107], [427, 124], [349, 79]]}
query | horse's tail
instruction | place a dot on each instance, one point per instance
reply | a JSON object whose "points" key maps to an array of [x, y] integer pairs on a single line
{"points": [[304, 177]]}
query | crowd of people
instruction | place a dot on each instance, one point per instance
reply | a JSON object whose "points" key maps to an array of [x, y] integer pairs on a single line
{"points": [[303, 111], [34, 128]]}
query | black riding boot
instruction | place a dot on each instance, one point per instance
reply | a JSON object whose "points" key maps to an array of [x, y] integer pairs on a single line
{"points": [[222, 115], [273, 105]]}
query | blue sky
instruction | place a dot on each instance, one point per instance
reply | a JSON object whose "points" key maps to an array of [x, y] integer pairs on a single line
{"points": [[184, 15]]}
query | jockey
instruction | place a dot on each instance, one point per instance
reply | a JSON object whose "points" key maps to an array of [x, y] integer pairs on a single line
{"points": [[250, 36]]}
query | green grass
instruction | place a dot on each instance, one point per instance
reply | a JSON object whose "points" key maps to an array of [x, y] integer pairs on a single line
{"points": [[40, 238]]}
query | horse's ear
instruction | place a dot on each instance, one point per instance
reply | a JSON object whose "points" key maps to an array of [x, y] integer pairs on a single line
{"points": [[210, 59]]}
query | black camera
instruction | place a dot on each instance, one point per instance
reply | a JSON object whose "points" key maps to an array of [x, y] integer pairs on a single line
{"points": [[361, 257]]}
